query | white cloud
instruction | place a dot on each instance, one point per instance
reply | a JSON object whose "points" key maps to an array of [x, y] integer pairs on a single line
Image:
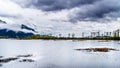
{"points": [[8, 8]]}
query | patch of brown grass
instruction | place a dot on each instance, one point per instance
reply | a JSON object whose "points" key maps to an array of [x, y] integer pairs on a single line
{"points": [[97, 49]]}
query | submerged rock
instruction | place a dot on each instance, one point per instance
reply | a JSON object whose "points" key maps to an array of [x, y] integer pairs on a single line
{"points": [[7, 60], [26, 60], [24, 56], [97, 49], [0, 65]]}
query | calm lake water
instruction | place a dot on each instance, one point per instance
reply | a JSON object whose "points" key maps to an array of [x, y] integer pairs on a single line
{"points": [[59, 54]]}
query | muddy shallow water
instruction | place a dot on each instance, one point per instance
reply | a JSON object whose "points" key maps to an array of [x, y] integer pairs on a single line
{"points": [[58, 54]]}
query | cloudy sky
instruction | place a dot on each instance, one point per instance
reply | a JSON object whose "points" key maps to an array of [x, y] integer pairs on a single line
{"points": [[62, 15]]}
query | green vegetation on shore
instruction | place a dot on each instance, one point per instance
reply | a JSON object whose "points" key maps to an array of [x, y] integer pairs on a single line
{"points": [[47, 37], [41, 37], [3, 37]]}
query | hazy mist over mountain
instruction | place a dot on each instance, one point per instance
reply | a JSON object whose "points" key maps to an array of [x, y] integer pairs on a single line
{"points": [[60, 16]]}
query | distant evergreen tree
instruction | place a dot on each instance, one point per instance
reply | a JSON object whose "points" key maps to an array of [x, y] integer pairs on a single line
{"points": [[83, 34], [69, 35], [60, 35], [73, 35]]}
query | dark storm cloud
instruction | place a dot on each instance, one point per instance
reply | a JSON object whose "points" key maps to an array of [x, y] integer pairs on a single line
{"points": [[97, 11], [55, 5], [87, 10]]}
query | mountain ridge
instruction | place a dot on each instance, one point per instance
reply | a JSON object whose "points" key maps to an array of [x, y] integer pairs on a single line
{"points": [[23, 31]]}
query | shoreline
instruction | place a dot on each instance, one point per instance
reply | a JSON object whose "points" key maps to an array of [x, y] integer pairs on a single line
{"points": [[65, 39]]}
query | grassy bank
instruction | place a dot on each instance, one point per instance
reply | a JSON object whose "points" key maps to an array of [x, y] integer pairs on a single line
{"points": [[47, 37], [5, 37]]}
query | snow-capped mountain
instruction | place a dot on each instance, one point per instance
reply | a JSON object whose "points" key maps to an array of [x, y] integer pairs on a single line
{"points": [[15, 30]]}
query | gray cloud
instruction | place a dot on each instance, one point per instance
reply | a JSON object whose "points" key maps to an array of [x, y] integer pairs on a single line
{"points": [[55, 5], [87, 10], [97, 11]]}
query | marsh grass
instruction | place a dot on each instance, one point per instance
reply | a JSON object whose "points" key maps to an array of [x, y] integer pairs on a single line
{"points": [[97, 49]]}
